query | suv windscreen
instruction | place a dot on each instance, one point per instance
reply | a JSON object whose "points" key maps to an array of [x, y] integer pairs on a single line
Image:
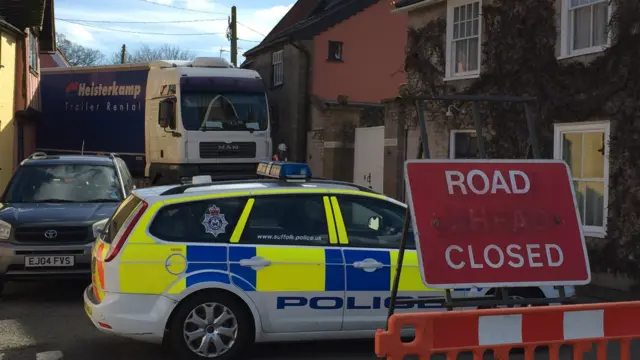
{"points": [[64, 183]]}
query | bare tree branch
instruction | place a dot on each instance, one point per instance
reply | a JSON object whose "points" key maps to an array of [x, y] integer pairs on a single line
{"points": [[146, 53], [78, 55]]}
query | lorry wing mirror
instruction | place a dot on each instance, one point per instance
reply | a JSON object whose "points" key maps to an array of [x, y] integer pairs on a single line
{"points": [[166, 113]]}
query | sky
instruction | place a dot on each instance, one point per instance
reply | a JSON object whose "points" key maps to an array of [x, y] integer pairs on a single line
{"points": [[108, 24]]}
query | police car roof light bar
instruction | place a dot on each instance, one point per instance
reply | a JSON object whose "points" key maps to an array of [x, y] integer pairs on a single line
{"points": [[284, 170]]}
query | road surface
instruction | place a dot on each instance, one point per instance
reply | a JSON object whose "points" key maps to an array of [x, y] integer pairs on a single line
{"points": [[47, 322]]}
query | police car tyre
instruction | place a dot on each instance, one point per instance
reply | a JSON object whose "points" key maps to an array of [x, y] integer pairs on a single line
{"points": [[211, 325]]}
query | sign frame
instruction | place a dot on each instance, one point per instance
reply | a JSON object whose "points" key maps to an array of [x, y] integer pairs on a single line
{"points": [[418, 244]]}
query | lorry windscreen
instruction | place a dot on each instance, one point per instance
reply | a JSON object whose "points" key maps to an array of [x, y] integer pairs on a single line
{"points": [[224, 111]]}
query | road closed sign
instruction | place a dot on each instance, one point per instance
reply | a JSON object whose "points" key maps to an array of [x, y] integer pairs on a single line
{"points": [[496, 223]]}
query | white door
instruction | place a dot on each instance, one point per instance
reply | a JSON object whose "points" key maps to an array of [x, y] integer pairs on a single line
{"points": [[368, 157]]}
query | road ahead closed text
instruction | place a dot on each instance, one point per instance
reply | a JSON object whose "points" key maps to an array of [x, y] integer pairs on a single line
{"points": [[491, 223]]}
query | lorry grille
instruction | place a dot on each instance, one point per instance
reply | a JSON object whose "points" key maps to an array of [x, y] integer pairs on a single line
{"points": [[210, 150], [44, 235]]}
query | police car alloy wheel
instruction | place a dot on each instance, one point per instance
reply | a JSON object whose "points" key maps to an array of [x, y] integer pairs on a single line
{"points": [[211, 326]]}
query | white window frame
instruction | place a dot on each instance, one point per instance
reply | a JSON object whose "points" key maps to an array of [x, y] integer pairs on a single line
{"points": [[566, 33], [452, 140], [585, 127], [450, 75], [277, 66]]}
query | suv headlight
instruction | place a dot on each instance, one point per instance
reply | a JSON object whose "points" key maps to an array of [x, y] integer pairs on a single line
{"points": [[98, 227], [5, 230]]}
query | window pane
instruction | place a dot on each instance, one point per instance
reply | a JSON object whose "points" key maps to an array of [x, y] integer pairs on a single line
{"points": [[572, 152], [460, 58], [582, 28], [463, 13], [466, 145], [579, 189], [593, 164], [456, 32], [456, 14], [120, 217], [600, 23], [594, 208], [469, 11], [476, 10], [476, 27], [473, 54], [575, 3], [463, 29], [287, 220], [374, 223], [198, 221]]}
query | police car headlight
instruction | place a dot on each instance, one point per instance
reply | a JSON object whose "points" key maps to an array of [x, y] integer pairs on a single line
{"points": [[5, 230], [98, 227]]}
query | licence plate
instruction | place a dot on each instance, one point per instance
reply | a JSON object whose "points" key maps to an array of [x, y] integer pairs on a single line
{"points": [[88, 309], [48, 261]]}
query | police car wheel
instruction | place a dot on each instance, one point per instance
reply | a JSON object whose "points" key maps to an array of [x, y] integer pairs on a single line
{"points": [[211, 326]]}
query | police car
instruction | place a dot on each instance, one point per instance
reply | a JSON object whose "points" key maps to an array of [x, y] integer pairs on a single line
{"points": [[214, 267]]}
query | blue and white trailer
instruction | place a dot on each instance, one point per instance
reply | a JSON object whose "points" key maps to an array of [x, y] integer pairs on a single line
{"points": [[169, 120]]}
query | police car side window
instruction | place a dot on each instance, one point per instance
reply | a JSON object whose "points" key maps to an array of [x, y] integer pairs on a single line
{"points": [[287, 220], [198, 221], [373, 222]]}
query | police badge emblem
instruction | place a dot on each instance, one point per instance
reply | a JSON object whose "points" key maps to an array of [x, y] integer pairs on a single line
{"points": [[214, 222]]}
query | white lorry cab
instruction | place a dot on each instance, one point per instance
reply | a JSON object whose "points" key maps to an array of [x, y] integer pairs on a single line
{"points": [[204, 117], [169, 120]]}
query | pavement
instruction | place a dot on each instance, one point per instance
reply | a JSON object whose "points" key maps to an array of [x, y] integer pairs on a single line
{"points": [[40, 321]]}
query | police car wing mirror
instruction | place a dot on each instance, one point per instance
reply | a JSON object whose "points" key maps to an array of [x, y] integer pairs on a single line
{"points": [[374, 223]]}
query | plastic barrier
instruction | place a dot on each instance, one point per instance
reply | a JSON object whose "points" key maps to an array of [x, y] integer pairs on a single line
{"points": [[501, 330]]}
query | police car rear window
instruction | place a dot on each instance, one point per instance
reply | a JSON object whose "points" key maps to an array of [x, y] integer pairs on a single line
{"points": [[120, 217]]}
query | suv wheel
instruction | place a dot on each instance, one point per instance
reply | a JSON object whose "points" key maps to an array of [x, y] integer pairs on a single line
{"points": [[211, 326]]}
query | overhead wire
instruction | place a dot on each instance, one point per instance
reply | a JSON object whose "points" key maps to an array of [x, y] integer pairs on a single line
{"points": [[182, 8], [247, 27], [138, 22], [142, 32]]}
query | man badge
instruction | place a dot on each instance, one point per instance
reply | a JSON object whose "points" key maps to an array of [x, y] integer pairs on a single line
{"points": [[214, 222]]}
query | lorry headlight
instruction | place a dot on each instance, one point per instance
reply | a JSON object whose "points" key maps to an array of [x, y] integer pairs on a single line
{"points": [[98, 227], [5, 230]]}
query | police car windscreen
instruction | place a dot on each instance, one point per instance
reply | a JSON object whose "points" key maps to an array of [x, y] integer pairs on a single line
{"points": [[120, 217]]}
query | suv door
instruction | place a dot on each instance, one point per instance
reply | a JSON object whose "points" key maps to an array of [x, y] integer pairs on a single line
{"points": [[285, 260], [373, 228]]}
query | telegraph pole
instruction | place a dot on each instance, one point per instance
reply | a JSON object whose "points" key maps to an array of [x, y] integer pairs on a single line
{"points": [[234, 37], [123, 54]]}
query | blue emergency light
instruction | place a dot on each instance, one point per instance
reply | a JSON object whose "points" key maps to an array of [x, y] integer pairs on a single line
{"points": [[284, 170]]}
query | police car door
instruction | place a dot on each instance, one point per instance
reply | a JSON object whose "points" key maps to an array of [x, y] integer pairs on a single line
{"points": [[285, 258], [370, 233]]}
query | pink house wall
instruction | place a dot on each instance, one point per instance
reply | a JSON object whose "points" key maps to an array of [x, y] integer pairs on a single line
{"points": [[373, 53]]}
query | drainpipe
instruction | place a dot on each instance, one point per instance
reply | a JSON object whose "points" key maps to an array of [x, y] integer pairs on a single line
{"points": [[20, 125], [306, 97]]}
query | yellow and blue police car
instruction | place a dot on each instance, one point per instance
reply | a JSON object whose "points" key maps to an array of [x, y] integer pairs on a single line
{"points": [[214, 267]]}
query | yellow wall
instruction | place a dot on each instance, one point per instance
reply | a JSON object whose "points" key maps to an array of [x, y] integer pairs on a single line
{"points": [[7, 91]]}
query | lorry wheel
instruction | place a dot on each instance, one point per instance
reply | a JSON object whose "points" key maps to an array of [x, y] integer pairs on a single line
{"points": [[211, 325]]}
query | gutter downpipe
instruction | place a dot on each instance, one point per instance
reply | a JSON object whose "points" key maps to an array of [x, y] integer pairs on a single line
{"points": [[307, 98]]}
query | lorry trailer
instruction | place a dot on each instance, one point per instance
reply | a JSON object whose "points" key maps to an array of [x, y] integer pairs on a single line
{"points": [[169, 120]]}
